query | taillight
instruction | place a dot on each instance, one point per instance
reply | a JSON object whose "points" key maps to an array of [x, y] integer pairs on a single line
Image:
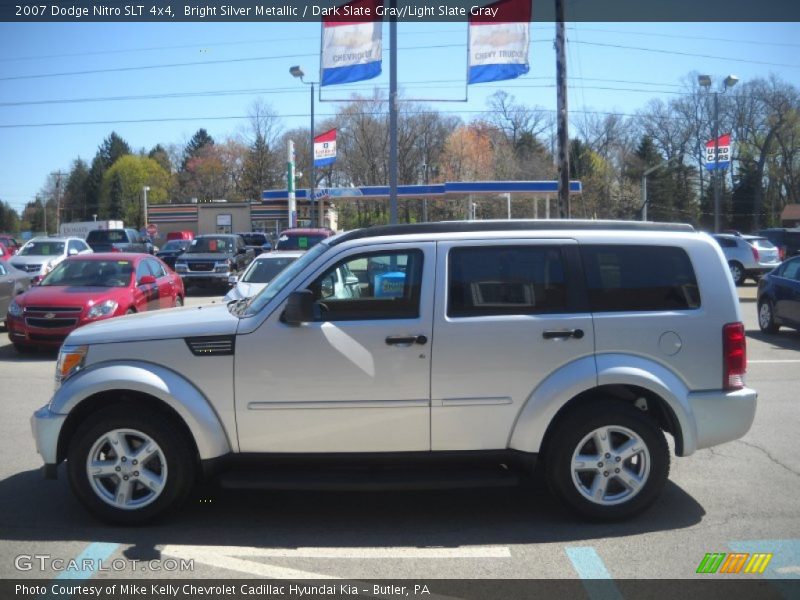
{"points": [[734, 356], [755, 252], [115, 249], [781, 252]]}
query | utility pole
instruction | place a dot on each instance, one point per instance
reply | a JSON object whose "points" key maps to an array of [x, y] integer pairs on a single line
{"points": [[58, 201], [393, 115], [562, 117]]}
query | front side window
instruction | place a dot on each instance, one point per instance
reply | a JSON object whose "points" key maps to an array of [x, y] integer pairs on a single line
{"points": [[379, 285], [505, 280], [639, 278]]}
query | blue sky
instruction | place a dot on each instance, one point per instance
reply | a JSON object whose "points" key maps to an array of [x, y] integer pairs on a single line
{"points": [[612, 67]]}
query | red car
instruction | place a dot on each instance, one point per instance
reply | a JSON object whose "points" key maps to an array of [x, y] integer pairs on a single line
{"points": [[5, 253], [10, 243], [87, 288]]}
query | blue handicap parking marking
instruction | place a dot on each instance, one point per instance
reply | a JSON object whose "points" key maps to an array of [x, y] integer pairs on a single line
{"points": [[84, 565], [785, 563], [596, 579]]}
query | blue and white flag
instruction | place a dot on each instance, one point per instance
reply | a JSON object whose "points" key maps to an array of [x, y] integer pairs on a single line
{"points": [[351, 45], [498, 41]]}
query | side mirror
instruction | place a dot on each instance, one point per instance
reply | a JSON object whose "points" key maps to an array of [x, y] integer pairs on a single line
{"points": [[72, 251], [233, 279], [299, 308], [147, 280]]}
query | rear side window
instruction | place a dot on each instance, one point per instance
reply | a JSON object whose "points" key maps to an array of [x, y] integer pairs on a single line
{"points": [[639, 278], [505, 280]]}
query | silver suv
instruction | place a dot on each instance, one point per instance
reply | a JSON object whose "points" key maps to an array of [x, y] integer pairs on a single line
{"points": [[748, 256], [470, 351]]}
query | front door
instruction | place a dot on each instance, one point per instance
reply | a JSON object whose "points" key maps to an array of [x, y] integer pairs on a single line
{"points": [[357, 379], [506, 318]]}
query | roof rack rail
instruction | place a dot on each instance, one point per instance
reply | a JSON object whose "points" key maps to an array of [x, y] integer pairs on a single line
{"points": [[508, 225]]}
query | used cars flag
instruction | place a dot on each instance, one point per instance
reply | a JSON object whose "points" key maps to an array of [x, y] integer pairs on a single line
{"points": [[724, 145], [325, 148], [498, 46], [351, 43]]}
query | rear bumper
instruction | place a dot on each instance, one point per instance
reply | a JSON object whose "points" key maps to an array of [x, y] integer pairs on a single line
{"points": [[46, 426], [722, 416]]}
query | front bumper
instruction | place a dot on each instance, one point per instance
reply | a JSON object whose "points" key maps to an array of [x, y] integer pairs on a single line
{"points": [[46, 426], [722, 416], [206, 276]]}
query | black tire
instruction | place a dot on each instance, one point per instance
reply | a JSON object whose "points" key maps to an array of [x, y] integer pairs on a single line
{"points": [[23, 348], [178, 302], [570, 435], [130, 311], [176, 450], [737, 272], [766, 317]]}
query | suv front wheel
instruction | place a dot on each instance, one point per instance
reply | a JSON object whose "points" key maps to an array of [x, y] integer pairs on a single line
{"points": [[607, 460], [128, 464]]}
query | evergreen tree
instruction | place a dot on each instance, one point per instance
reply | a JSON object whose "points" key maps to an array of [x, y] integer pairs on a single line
{"points": [[199, 140]]}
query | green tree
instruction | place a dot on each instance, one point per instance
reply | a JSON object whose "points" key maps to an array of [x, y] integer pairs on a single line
{"points": [[121, 195], [9, 219], [73, 201]]}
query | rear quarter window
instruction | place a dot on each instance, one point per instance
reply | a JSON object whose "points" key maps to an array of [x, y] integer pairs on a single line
{"points": [[639, 278]]}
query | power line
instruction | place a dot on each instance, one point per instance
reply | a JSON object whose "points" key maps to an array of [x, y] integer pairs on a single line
{"points": [[689, 37]]}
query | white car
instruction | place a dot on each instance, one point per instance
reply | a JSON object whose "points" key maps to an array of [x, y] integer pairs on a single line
{"points": [[38, 256], [260, 272]]}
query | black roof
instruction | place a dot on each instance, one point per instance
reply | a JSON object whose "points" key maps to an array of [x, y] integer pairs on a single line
{"points": [[513, 225]]}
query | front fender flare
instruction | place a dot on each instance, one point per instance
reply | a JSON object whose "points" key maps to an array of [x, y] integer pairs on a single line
{"points": [[154, 380]]}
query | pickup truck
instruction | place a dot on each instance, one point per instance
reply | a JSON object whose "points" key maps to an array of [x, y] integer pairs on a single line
{"points": [[212, 259], [118, 240]]}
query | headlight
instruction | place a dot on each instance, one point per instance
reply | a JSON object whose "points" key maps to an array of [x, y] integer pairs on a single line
{"points": [[14, 309], [102, 310], [180, 266], [223, 266], [70, 361]]}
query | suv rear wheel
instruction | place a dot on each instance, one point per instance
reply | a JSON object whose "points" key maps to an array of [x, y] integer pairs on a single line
{"points": [[737, 272], [607, 460], [128, 465]]}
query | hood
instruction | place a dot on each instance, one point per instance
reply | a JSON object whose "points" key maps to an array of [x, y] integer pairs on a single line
{"points": [[161, 324], [57, 295], [244, 290], [209, 256]]}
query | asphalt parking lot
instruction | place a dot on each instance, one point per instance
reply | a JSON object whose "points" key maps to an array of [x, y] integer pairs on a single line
{"points": [[739, 497]]}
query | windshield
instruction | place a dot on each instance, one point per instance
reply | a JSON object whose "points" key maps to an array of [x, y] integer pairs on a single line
{"points": [[91, 273], [264, 270], [175, 245], [298, 241], [254, 239], [283, 279], [212, 244], [42, 249]]}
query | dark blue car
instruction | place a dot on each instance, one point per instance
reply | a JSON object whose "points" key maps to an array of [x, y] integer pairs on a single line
{"points": [[779, 297]]}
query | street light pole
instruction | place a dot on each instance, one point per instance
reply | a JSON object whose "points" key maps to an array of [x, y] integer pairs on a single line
{"points": [[729, 82], [297, 71], [145, 189]]}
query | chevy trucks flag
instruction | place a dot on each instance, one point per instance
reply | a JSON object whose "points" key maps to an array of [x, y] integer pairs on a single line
{"points": [[325, 148], [351, 45], [498, 46], [724, 145]]}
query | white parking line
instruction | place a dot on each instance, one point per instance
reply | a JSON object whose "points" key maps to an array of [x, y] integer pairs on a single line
{"points": [[776, 361], [240, 558]]}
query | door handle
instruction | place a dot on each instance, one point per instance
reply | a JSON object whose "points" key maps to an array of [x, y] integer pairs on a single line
{"points": [[553, 334], [406, 340]]}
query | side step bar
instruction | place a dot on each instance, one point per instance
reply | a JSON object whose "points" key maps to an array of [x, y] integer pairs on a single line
{"points": [[367, 480]]}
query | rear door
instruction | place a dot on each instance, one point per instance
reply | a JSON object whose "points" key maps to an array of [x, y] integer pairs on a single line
{"points": [[166, 290], [787, 293], [507, 316]]}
